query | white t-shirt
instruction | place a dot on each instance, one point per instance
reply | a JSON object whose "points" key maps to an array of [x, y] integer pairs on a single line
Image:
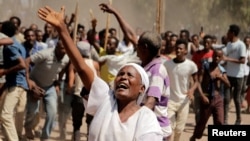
{"points": [[2, 36], [106, 125], [114, 62], [235, 50], [123, 48], [179, 76], [46, 67], [189, 55], [246, 67]]}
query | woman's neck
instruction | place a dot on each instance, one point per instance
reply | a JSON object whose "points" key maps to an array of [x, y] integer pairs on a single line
{"points": [[126, 110]]}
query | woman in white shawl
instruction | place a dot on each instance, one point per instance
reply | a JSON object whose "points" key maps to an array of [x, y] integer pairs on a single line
{"points": [[117, 117]]}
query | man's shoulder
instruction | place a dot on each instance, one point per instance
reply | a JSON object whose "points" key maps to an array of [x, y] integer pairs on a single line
{"points": [[239, 42]]}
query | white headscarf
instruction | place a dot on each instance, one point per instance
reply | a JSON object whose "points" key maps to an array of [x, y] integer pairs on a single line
{"points": [[144, 78]]}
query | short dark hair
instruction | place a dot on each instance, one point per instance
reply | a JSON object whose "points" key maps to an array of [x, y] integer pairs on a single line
{"points": [[186, 32], [207, 37], [234, 29], [173, 35], [101, 33], [17, 18], [112, 29], [246, 37], [195, 35], [116, 40], [182, 41], [27, 31], [80, 26], [8, 28]]}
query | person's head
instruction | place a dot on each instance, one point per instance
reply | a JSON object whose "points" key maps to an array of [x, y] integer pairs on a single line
{"points": [[9, 28], [60, 50], [247, 41], [81, 31], [48, 28], [91, 35], [181, 48], [29, 36], [22, 29], [39, 35], [112, 45], [112, 32], [224, 40], [54, 33], [149, 45], [195, 40], [16, 20], [217, 55], [101, 35], [233, 32], [207, 42], [34, 27], [214, 39], [184, 34], [84, 48], [173, 39], [130, 82], [167, 35], [163, 47]]}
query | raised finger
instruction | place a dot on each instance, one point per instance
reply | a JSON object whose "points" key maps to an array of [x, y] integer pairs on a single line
{"points": [[63, 9], [42, 13], [49, 9]]}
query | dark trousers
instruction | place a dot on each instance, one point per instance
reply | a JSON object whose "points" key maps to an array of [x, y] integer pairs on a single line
{"points": [[215, 108], [77, 115], [235, 92], [77, 112]]}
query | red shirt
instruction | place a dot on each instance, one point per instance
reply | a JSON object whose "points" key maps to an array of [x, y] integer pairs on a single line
{"points": [[200, 55]]}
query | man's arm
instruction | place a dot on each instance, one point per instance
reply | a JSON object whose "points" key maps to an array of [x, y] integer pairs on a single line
{"points": [[71, 80], [224, 79], [6, 41], [200, 79], [21, 65], [57, 20], [151, 102], [36, 90], [195, 84], [126, 28], [241, 60]]}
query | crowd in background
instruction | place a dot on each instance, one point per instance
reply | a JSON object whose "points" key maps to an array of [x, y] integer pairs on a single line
{"points": [[39, 79]]}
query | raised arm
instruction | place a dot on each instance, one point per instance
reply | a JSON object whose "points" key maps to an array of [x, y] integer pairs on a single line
{"points": [[57, 20], [6, 41], [126, 29]]}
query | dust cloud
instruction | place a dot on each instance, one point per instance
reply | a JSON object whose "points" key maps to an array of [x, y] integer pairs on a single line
{"points": [[175, 16]]}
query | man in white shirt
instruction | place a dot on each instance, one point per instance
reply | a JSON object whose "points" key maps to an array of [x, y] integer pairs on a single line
{"points": [[235, 54]]}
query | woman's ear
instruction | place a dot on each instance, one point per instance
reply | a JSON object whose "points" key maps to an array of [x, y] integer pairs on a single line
{"points": [[142, 90]]}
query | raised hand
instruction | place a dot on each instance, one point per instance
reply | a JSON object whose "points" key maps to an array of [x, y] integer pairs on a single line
{"points": [[94, 23], [107, 8], [51, 16]]}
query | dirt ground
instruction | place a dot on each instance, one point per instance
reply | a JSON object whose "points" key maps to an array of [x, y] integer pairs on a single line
{"points": [[185, 136]]}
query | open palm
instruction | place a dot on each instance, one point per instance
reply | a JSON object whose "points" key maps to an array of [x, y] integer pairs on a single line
{"points": [[51, 16]]}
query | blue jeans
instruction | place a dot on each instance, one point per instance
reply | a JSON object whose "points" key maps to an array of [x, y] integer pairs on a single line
{"points": [[64, 107], [50, 107]]}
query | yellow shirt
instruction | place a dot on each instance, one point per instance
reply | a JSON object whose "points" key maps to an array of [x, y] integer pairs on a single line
{"points": [[104, 73]]}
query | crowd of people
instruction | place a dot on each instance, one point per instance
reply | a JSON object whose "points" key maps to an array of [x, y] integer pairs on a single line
{"points": [[138, 88]]}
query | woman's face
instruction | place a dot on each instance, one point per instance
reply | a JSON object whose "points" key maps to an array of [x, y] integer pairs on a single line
{"points": [[128, 84]]}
